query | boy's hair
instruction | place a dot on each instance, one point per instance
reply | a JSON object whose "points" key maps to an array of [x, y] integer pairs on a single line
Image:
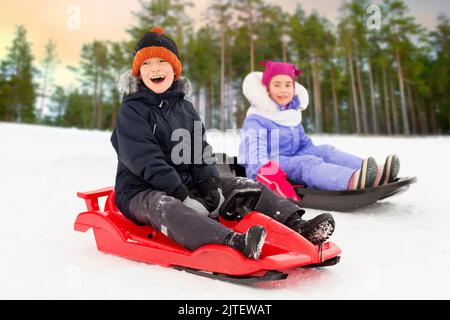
{"points": [[155, 44]]}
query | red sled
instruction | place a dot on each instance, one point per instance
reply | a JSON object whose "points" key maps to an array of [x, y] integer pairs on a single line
{"points": [[283, 250]]}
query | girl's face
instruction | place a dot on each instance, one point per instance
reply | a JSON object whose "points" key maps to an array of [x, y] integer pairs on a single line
{"points": [[157, 74], [281, 89]]}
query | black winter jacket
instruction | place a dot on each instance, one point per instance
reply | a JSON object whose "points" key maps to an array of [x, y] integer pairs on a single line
{"points": [[142, 140]]}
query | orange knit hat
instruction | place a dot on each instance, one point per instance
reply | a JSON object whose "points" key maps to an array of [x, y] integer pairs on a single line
{"points": [[156, 44]]}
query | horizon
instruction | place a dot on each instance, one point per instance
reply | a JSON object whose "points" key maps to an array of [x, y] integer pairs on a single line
{"points": [[49, 19]]}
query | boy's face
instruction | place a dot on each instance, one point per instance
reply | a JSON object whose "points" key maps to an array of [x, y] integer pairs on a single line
{"points": [[157, 74], [281, 89]]}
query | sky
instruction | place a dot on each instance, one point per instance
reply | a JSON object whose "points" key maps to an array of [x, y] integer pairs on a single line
{"points": [[71, 23]]}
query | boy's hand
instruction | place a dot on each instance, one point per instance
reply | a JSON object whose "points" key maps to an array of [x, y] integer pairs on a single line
{"points": [[195, 203], [214, 199], [212, 195]]}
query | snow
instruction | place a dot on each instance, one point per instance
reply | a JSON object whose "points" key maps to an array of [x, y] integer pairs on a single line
{"points": [[395, 249]]}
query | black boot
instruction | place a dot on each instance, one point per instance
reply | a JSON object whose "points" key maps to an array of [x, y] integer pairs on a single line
{"points": [[316, 230], [249, 243]]}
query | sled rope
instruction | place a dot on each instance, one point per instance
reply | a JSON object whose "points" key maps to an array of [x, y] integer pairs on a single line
{"points": [[320, 247]]}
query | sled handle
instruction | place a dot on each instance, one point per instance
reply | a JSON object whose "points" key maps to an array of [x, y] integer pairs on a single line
{"points": [[91, 197]]}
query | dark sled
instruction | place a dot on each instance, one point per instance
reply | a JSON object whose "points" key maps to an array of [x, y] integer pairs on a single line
{"points": [[314, 198]]}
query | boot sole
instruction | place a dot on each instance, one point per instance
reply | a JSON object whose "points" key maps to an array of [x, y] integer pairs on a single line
{"points": [[323, 229], [390, 170], [368, 173], [254, 252]]}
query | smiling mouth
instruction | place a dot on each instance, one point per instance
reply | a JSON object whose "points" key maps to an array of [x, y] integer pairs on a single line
{"points": [[158, 79]]}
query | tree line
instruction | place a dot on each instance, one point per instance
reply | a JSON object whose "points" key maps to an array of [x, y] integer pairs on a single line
{"points": [[374, 71]]}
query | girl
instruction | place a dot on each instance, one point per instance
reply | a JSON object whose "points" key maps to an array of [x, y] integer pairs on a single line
{"points": [[182, 199], [273, 131]]}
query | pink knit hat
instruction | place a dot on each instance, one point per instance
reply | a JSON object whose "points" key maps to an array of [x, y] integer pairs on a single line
{"points": [[276, 68]]}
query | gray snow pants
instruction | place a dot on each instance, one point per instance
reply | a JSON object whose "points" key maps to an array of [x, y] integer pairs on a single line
{"points": [[193, 230]]}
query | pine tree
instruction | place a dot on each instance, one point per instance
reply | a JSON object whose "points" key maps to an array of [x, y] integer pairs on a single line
{"points": [[49, 63], [249, 14], [76, 113], [347, 45], [220, 12], [94, 70], [58, 106], [400, 28], [439, 73], [5, 91], [204, 67], [17, 73], [355, 18], [118, 63], [315, 31]]}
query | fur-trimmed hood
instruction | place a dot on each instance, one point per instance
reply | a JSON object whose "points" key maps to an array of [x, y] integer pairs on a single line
{"points": [[263, 105], [128, 84]]}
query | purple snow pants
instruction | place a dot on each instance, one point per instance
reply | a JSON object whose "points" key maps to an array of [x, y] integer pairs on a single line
{"points": [[321, 167]]}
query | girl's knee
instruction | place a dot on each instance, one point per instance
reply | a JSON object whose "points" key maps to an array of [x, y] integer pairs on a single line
{"points": [[310, 160], [325, 148]]}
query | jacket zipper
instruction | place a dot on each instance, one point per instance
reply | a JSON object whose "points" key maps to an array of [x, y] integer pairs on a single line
{"points": [[167, 121]]}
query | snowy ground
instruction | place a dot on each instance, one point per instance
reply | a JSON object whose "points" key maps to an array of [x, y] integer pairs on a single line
{"points": [[396, 249]]}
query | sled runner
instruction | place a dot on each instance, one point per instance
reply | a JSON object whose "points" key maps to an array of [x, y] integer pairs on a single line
{"points": [[283, 250], [315, 198]]}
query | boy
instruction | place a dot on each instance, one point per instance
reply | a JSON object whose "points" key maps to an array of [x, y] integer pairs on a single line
{"points": [[182, 200]]}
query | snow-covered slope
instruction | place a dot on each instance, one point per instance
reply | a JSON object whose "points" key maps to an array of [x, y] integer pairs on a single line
{"points": [[394, 249]]}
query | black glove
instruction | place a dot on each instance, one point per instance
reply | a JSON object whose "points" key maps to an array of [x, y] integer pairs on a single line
{"points": [[212, 194], [195, 203]]}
